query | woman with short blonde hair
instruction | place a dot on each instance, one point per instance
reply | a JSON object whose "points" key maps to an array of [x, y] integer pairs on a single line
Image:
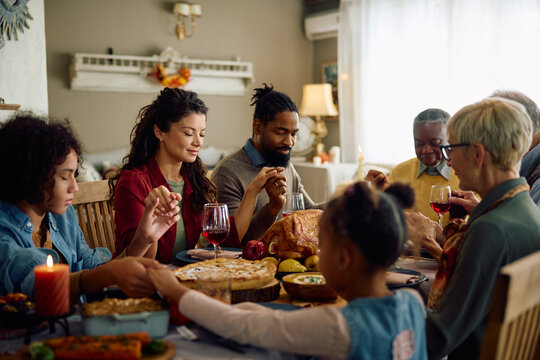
{"points": [[486, 143], [502, 126]]}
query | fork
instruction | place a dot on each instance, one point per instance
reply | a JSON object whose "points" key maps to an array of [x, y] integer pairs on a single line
{"points": [[187, 334]]}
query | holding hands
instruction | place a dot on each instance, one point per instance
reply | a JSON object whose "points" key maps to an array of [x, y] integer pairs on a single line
{"points": [[167, 200], [167, 284], [378, 179], [161, 211], [425, 233], [264, 177]]}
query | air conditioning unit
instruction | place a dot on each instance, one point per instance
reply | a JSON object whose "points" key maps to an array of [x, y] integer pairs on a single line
{"points": [[321, 25]]}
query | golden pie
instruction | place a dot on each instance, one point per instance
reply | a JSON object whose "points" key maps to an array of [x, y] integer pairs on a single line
{"points": [[245, 274], [121, 306]]}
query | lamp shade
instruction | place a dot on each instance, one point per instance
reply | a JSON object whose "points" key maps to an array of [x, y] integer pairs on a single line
{"points": [[317, 100], [195, 9], [181, 9]]}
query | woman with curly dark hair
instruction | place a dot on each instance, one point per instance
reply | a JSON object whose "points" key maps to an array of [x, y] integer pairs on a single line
{"points": [[37, 219], [163, 164]]}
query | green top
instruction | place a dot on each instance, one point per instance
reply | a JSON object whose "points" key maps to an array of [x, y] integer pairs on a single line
{"points": [[494, 239], [181, 242]]}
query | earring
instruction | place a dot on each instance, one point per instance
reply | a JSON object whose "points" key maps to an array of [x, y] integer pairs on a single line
{"points": [[160, 140]]}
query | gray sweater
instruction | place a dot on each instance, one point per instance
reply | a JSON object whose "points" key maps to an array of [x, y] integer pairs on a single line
{"points": [[232, 176]]}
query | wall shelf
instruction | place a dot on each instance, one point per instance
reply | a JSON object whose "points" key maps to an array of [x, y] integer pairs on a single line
{"points": [[9, 106], [124, 73]]}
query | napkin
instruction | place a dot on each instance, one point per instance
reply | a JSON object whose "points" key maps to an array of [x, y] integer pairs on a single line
{"points": [[204, 254], [393, 278]]}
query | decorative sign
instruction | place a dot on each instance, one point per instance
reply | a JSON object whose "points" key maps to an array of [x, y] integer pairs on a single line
{"points": [[14, 16]]}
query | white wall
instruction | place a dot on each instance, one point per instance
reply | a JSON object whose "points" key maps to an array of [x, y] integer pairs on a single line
{"points": [[23, 67]]}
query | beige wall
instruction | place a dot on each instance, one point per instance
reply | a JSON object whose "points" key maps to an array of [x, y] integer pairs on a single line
{"points": [[267, 33], [325, 51]]}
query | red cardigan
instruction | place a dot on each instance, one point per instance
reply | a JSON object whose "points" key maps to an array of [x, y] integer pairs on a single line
{"points": [[133, 187]]}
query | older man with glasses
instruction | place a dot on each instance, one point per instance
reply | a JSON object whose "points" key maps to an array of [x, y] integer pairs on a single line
{"points": [[486, 143], [428, 168]]}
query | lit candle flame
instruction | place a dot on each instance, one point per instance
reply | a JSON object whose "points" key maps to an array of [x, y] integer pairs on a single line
{"points": [[49, 261]]}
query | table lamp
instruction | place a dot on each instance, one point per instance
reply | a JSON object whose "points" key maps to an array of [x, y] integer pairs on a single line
{"points": [[317, 101]]}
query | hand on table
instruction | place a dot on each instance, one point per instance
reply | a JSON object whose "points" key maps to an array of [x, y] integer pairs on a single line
{"points": [[378, 179], [276, 188], [467, 199], [424, 232]]}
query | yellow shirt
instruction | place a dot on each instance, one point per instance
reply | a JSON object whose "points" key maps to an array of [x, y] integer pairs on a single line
{"points": [[407, 172]]}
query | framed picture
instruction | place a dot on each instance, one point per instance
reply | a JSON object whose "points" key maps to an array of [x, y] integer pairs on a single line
{"points": [[330, 75]]}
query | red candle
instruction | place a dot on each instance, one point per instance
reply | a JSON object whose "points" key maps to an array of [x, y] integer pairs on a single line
{"points": [[51, 289]]}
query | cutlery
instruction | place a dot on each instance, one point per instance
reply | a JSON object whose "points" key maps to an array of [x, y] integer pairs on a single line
{"points": [[187, 334]]}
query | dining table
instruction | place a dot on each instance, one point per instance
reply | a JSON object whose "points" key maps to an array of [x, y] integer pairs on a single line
{"points": [[209, 345]]}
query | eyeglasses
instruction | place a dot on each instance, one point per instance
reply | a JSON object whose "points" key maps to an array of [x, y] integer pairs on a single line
{"points": [[446, 150]]}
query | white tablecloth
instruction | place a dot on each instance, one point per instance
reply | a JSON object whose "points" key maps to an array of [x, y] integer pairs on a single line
{"points": [[320, 181]]}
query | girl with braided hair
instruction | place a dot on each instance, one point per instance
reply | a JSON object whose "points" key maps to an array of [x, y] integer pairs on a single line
{"points": [[362, 233]]}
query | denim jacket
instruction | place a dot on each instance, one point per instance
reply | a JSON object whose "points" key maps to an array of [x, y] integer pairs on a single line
{"points": [[19, 255]]}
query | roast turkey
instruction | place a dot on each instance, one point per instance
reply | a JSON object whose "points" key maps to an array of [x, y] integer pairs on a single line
{"points": [[295, 236]]}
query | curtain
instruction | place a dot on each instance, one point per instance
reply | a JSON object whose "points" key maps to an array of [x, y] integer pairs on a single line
{"points": [[397, 58]]}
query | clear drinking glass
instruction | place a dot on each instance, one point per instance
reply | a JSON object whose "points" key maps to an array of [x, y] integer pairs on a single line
{"points": [[216, 285], [215, 224], [293, 202], [439, 199]]}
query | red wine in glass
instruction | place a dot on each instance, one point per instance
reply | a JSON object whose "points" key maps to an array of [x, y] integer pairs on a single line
{"points": [[215, 224], [215, 237], [285, 214], [440, 208], [439, 199]]}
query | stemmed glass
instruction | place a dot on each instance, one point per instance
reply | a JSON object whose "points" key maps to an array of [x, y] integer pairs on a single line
{"points": [[293, 202], [215, 224], [439, 199]]}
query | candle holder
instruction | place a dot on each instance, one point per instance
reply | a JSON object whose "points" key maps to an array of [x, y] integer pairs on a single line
{"points": [[52, 321]]}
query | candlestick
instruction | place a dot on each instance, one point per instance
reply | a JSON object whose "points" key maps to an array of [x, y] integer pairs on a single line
{"points": [[51, 289]]}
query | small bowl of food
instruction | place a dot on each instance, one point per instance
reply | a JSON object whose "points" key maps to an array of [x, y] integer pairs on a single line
{"points": [[309, 286]]}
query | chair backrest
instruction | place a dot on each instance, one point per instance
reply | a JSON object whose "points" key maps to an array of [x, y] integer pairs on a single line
{"points": [[96, 214], [513, 330]]}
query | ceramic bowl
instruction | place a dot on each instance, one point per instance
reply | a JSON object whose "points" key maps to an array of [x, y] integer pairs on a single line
{"points": [[308, 286]]}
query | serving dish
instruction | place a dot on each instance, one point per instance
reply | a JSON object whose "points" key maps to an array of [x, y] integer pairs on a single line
{"points": [[16, 312], [155, 323], [309, 286]]}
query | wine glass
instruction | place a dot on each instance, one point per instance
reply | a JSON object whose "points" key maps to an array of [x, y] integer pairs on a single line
{"points": [[215, 224], [293, 202], [439, 199]]}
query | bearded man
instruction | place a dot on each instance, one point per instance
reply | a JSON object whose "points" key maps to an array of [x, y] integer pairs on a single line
{"points": [[275, 125]]}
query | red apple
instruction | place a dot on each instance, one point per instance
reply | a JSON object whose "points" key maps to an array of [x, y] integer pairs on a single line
{"points": [[254, 250]]}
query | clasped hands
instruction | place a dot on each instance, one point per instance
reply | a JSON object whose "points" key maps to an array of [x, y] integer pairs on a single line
{"points": [[276, 188]]}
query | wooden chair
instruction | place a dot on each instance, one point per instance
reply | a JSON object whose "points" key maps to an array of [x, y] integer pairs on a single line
{"points": [[96, 214], [513, 330]]}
